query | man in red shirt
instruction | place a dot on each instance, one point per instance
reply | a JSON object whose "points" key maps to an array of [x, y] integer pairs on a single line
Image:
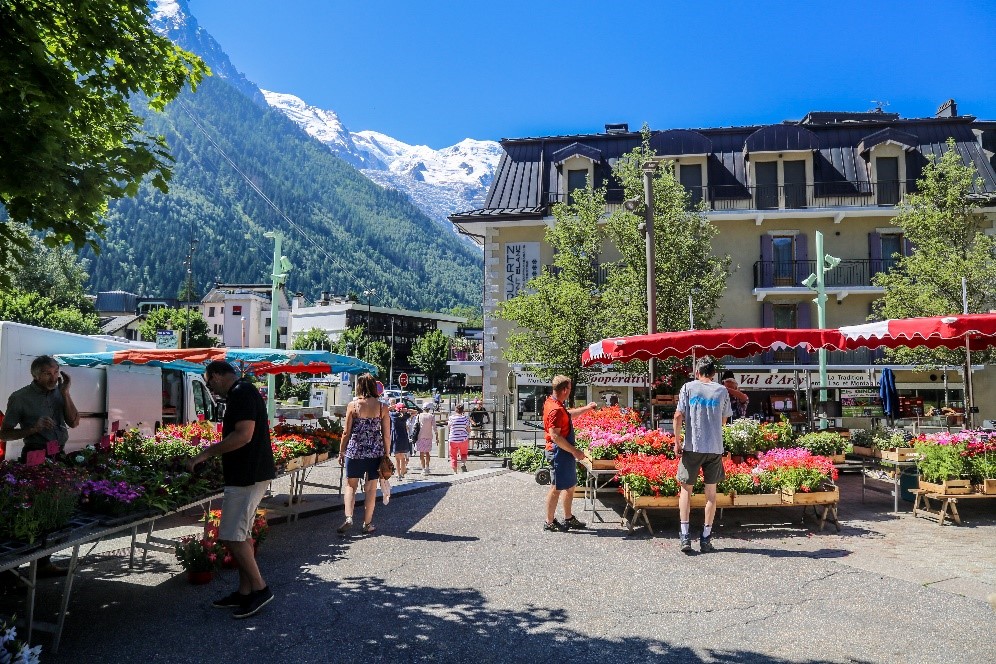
{"points": [[558, 430]]}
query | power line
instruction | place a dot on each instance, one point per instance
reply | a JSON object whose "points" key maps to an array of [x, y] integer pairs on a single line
{"points": [[231, 162]]}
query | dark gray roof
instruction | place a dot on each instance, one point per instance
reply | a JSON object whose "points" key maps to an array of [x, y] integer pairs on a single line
{"points": [[111, 301], [576, 150], [527, 179]]}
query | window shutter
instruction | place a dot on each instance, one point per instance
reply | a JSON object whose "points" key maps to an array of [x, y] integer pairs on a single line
{"points": [[802, 267], [803, 321], [874, 253], [767, 273], [767, 320], [907, 247]]}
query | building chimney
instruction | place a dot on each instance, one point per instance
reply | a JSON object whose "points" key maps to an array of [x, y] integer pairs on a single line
{"points": [[617, 128], [948, 109], [325, 298]]}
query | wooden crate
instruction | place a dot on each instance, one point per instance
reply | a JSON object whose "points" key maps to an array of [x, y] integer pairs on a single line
{"points": [[948, 487], [863, 451], [837, 458], [671, 502], [294, 464], [757, 499], [989, 487], [898, 454], [321, 456], [812, 498], [601, 464]]}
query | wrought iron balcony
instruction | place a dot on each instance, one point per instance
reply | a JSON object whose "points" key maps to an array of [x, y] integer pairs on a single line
{"points": [[601, 273], [850, 272]]}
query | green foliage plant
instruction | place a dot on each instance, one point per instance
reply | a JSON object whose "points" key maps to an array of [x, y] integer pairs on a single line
{"points": [[176, 319], [313, 339], [822, 443], [937, 463], [528, 459], [71, 139], [430, 354]]}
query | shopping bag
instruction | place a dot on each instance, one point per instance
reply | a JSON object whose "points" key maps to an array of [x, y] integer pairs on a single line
{"points": [[385, 490]]}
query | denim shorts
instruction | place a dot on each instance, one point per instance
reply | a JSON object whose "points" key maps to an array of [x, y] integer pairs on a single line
{"points": [[565, 468]]}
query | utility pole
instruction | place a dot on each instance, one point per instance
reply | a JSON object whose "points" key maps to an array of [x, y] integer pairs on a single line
{"points": [[390, 374], [190, 287], [281, 266], [969, 388], [817, 282]]}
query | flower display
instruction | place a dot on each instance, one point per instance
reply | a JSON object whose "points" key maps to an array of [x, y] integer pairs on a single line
{"points": [[797, 469], [199, 554], [967, 453], [36, 499], [110, 497], [195, 433]]}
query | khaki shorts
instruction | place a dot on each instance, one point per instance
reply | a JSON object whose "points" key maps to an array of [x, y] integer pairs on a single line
{"points": [[711, 465], [239, 510]]}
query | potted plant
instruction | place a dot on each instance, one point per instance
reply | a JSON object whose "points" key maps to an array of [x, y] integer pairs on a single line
{"points": [[461, 347], [36, 499], [824, 443], [14, 650], [740, 438], [943, 466], [200, 557]]}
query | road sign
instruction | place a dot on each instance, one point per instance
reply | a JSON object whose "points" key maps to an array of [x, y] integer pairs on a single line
{"points": [[403, 380], [166, 339]]}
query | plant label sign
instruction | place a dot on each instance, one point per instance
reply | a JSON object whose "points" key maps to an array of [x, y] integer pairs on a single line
{"points": [[52, 447], [105, 443], [35, 458], [115, 425]]}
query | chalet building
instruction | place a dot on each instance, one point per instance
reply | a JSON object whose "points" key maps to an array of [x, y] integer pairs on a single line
{"points": [[768, 189], [238, 315]]}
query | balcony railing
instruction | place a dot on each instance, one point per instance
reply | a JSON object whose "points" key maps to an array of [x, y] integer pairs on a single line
{"points": [[851, 272], [473, 354], [601, 273], [817, 196]]}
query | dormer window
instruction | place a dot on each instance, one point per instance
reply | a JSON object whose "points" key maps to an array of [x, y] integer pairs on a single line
{"points": [[690, 177], [576, 179], [887, 189]]}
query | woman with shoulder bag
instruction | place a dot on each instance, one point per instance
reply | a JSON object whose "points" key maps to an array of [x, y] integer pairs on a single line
{"points": [[367, 430]]}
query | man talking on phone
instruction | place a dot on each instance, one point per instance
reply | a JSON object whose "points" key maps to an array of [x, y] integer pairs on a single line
{"points": [[43, 410], [38, 413]]}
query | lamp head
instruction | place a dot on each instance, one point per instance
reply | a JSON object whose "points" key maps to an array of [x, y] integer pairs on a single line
{"points": [[810, 281], [632, 204], [831, 262], [285, 264]]}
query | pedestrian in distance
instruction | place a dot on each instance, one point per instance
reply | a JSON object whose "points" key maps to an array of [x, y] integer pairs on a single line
{"points": [[367, 433], [738, 400], [558, 428], [703, 408], [38, 413], [247, 464], [401, 443], [424, 435], [459, 438]]}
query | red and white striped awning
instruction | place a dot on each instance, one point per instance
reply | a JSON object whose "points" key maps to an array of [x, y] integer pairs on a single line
{"points": [[931, 332]]}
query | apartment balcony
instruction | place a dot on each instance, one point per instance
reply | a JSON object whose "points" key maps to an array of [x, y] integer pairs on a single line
{"points": [[601, 273], [849, 274]]}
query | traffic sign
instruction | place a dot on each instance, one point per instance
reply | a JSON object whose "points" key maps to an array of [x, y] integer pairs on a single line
{"points": [[403, 380]]}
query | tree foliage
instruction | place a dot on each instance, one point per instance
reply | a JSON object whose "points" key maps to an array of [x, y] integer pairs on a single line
{"points": [[378, 354], [176, 319], [474, 315], [313, 339], [560, 312], [48, 290], [69, 139], [949, 242], [430, 353]]}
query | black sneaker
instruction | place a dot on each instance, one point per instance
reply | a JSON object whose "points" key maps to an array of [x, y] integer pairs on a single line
{"points": [[705, 545], [574, 524], [232, 601], [686, 543], [253, 603], [555, 527]]}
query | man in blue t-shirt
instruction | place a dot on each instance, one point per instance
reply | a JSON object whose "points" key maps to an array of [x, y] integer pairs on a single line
{"points": [[703, 408], [247, 463]]}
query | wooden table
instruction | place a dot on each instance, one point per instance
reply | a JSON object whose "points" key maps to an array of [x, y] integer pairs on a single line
{"points": [[947, 504]]}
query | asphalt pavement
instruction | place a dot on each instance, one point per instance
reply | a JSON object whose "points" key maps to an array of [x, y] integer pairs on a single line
{"points": [[461, 572]]}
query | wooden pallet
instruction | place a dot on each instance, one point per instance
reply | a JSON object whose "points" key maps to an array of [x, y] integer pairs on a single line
{"points": [[811, 498], [948, 487]]}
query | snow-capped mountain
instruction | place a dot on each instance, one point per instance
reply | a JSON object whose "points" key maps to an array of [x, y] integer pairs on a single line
{"points": [[440, 182]]}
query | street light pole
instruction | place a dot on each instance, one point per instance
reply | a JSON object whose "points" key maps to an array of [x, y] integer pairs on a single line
{"points": [[649, 169], [390, 374], [817, 282], [243, 331], [190, 276]]}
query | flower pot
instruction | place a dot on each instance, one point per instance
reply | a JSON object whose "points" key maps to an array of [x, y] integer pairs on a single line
{"points": [[199, 578]]}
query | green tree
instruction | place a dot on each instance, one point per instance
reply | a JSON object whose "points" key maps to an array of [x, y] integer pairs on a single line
{"points": [[69, 139], [560, 314], [35, 309], [685, 262], [351, 342], [474, 315], [430, 353], [176, 319], [313, 339], [949, 242], [378, 354]]}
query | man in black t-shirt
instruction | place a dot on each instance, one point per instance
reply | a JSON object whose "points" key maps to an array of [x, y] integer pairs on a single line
{"points": [[247, 463]]}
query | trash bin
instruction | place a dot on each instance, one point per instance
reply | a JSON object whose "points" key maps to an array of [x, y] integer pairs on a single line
{"points": [[907, 482]]}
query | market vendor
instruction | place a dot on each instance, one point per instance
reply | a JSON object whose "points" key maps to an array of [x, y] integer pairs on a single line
{"points": [[40, 412], [738, 400]]}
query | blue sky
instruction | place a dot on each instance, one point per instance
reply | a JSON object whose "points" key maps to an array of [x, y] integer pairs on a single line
{"points": [[432, 72]]}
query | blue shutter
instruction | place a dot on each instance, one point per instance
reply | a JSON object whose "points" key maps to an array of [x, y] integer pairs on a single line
{"points": [[803, 321], [767, 320], [802, 267], [767, 272], [874, 254]]}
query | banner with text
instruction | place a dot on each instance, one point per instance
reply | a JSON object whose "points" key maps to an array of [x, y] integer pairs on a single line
{"points": [[522, 263], [788, 381]]}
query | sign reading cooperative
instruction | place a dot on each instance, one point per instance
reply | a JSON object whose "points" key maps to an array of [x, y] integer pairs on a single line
{"points": [[788, 381], [524, 378], [522, 263]]}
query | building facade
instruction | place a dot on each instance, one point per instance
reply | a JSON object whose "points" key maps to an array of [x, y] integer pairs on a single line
{"points": [[768, 190], [239, 315], [397, 328]]}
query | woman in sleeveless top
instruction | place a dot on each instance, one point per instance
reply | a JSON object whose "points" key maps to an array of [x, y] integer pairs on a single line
{"points": [[401, 443], [459, 438], [367, 432], [426, 433]]}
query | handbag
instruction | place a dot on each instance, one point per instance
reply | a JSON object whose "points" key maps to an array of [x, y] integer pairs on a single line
{"points": [[416, 429], [386, 468]]}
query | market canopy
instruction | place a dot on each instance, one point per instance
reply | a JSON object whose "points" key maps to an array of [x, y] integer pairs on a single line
{"points": [[257, 361], [734, 342], [932, 332]]}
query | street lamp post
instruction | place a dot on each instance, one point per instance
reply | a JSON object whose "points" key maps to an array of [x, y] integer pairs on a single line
{"points": [[647, 227], [190, 278], [369, 293], [390, 373], [817, 282]]}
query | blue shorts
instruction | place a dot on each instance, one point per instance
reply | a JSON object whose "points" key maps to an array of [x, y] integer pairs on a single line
{"points": [[363, 468], [565, 468]]}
